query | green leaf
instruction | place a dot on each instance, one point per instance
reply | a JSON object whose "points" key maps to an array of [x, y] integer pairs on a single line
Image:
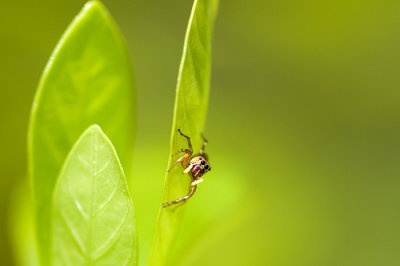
{"points": [[93, 215], [190, 111], [88, 80]]}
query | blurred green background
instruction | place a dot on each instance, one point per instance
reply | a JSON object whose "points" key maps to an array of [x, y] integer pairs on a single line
{"points": [[303, 124]]}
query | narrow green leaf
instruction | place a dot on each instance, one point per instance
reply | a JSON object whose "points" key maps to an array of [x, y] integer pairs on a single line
{"points": [[93, 215], [190, 111], [88, 80]]}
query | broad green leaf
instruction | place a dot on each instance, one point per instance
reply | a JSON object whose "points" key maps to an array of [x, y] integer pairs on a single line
{"points": [[93, 216], [88, 80], [190, 111]]}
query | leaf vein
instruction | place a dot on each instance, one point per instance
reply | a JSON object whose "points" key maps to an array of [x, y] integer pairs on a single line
{"points": [[103, 169], [74, 234], [108, 201], [111, 241]]}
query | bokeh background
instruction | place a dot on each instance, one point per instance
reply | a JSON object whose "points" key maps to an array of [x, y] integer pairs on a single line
{"points": [[303, 124]]}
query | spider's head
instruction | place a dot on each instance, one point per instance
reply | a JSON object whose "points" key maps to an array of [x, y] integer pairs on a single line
{"points": [[198, 166]]}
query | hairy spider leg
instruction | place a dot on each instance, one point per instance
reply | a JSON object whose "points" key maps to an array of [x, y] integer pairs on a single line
{"points": [[184, 160], [181, 150], [197, 181], [205, 142], [192, 189], [187, 170], [188, 139]]}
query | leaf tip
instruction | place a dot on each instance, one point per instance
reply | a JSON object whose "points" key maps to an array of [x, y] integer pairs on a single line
{"points": [[95, 6], [94, 129]]}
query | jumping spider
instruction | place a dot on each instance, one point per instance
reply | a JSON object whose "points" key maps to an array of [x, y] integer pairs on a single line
{"points": [[196, 165]]}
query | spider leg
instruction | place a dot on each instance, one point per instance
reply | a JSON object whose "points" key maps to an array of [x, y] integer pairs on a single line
{"points": [[188, 139], [194, 183], [187, 169], [205, 142], [181, 150], [192, 189], [184, 159]]}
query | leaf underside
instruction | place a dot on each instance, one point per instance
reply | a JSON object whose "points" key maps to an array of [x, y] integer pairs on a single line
{"points": [[93, 214], [190, 112]]}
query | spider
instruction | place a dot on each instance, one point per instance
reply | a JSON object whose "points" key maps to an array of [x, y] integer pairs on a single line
{"points": [[196, 165]]}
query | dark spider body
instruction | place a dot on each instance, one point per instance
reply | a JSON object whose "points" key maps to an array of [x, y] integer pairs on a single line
{"points": [[196, 165], [200, 166]]}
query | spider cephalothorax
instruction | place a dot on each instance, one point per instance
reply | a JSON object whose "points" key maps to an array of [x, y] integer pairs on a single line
{"points": [[196, 165]]}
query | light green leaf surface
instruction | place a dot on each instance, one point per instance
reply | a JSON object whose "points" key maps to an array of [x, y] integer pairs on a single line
{"points": [[88, 80], [190, 111], [93, 215]]}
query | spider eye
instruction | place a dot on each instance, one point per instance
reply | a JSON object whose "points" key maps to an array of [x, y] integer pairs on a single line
{"points": [[203, 162], [206, 166]]}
